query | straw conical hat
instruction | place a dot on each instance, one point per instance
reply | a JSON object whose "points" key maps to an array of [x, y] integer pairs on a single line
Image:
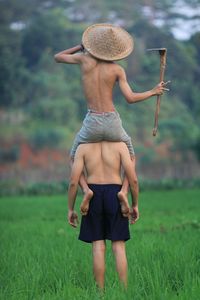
{"points": [[107, 42]]}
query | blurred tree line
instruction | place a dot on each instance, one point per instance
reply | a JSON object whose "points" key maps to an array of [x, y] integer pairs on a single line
{"points": [[43, 101]]}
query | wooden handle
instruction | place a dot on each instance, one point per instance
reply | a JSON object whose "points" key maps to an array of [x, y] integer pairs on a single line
{"points": [[157, 111], [156, 115]]}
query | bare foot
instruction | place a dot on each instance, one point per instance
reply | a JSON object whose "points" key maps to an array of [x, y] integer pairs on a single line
{"points": [[125, 209], [86, 201]]}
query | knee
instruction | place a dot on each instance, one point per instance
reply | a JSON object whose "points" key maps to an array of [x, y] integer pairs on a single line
{"points": [[118, 247], [99, 247]]}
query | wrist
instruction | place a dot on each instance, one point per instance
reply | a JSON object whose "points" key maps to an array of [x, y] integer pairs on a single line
{"points": [[79, 48], [76, 49], [152, 92], [82, 47]]}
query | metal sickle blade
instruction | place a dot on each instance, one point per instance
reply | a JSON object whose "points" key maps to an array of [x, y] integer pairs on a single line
{"points": [[157, 49], [160, 50]]}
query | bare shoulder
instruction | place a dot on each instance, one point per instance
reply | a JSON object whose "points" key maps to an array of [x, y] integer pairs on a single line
{"points": [[88, 58], [120, 147], [113, 70], [88, 62], [120, 72], [116, 68], [87, 148], [80, 151]]}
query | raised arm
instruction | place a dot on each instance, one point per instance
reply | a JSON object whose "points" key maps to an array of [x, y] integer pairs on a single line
{"points": [[76, 171], [70, 56], [130, 95]]}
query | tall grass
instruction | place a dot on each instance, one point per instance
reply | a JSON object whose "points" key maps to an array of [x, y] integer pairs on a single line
{"points": [[42, 259]]}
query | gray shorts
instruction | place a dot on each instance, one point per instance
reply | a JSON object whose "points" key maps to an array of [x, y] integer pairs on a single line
{"points": [[97, 127]]}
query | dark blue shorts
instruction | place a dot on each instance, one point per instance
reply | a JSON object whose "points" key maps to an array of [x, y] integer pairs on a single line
{"points": [[104, 219]]}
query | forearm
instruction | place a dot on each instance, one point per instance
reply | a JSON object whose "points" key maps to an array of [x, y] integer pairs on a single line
{"points": [[137, 97], [72, 50], [72, 192], [69, 51], [157, 90]]}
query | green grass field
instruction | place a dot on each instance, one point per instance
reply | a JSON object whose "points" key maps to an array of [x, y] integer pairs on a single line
{"points": [[42, 259]]}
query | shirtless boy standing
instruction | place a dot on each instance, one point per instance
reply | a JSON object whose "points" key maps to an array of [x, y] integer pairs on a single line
{"points": [[102, 44], [104, 220]]}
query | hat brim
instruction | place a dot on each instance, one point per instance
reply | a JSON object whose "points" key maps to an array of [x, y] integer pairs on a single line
{"points": [[107, 42]]}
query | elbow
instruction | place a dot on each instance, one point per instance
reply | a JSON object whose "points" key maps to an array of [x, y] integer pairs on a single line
{"points": [[129, 99]]}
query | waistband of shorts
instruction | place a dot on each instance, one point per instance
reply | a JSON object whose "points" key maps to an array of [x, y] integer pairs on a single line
{"points": [[103, 185], [92, 111]]}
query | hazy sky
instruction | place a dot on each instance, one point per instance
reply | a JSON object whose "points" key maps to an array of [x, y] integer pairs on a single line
{"points": [[183, 27]]}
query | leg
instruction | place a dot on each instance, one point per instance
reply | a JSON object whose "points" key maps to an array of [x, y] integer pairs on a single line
{"points": [[88, 133], [88, 193], [98, 250], [122, 195], [119, 251]]}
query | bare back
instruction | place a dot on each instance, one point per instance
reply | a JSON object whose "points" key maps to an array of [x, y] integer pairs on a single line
{"points": [[103, 162], [99, 78]]}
